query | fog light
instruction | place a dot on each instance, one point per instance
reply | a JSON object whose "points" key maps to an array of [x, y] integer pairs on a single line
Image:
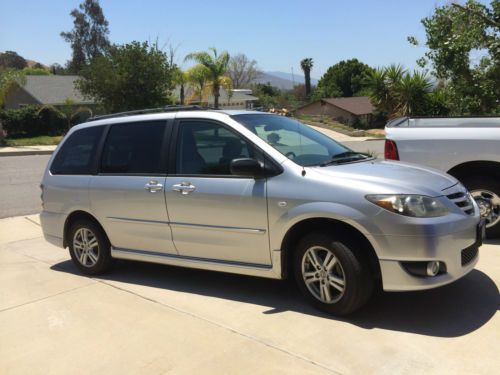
{"points": [[425, 269], [433, 268]]}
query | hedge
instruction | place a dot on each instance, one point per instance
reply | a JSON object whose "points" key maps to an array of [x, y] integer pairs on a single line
{"points": [[29, 121]]}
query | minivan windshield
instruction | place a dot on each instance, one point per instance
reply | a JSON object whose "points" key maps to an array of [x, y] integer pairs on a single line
{"points": [[298, 142]]}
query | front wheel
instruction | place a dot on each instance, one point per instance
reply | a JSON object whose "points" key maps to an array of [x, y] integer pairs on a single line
{"points": [[330, 275], [486, 193]]}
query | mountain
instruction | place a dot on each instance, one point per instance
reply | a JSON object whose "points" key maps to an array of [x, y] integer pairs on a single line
{"points": [[282, 84], [282, 80], [299, 78]]}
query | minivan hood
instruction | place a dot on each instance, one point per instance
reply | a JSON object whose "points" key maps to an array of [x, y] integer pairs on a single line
{"points": [[384, 176]]}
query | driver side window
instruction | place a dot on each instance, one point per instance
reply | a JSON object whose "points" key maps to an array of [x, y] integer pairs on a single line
{"points": [[207, 148]]}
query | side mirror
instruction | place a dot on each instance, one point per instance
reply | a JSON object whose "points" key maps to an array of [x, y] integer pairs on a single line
{"points": [[246, 167]]}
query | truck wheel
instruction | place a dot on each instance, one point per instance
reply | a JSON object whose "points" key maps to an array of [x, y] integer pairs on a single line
{"points": [[89, 247], [486, 192], [330, 275]]}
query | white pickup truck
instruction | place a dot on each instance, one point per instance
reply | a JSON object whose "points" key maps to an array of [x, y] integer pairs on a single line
{"points": [[467, 148]]}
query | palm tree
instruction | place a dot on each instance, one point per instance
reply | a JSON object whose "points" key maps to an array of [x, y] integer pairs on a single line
{"points": [[412, 94], [396, 92], [217, 67], [393, 74], [69, 111], [380, 93], [198, 76], [306, 65]]}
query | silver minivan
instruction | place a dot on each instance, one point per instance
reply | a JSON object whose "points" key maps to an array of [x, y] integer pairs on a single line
{"points": [[256, 194]]}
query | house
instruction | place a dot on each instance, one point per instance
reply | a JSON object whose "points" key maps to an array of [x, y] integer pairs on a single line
{"points": [[53, 90], [344, 110], [232, 99]]}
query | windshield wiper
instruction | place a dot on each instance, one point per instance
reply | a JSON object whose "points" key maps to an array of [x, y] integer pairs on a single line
{"points": [[344, 157]]}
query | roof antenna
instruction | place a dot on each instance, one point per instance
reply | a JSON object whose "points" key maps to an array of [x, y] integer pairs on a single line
{"points": [[303, 171]]}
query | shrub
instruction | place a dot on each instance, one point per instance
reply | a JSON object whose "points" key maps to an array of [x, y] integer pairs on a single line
{"points": [[30, 122]]}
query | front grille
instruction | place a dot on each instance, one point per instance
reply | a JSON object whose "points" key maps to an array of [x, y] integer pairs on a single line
{"points": [[463, 200], [469, 254]]}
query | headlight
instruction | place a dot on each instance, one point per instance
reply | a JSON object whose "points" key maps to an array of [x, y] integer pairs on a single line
{"points": [[409, 204]]}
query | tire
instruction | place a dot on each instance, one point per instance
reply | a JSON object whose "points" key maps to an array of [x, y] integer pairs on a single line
{"points": [[487, 190], [95, 258], [355, 274]]}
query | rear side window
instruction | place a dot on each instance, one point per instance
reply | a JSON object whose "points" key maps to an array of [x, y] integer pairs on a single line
{"points": [[76, 155], [134, 148]]}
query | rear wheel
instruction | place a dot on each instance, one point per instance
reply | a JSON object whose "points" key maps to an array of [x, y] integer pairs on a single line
{"points": [[486, 193], [330, 275], [89, 247]]}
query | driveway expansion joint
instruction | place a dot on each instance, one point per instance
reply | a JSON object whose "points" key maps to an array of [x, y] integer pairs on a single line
{"points": [[45, 298], [224, 327]]}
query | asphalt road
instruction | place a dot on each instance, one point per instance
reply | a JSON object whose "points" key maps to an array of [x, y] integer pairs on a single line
{"points": [[20, 178]]}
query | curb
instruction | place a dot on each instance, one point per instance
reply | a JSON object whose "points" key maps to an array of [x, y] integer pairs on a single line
{"points": [[26, 153]]}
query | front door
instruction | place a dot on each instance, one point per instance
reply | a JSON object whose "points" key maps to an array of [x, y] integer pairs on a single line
{"points": [[213, 214], [127, 194]]}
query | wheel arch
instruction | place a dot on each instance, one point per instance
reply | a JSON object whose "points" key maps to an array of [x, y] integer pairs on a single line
{"points": [[77, 215], [474, 168], [346, 231]]}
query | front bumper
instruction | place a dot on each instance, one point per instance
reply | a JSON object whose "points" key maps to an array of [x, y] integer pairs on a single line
{"points": [[457, 250]]}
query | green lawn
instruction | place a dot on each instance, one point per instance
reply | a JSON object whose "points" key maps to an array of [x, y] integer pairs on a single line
{"points": [[43, 140]]}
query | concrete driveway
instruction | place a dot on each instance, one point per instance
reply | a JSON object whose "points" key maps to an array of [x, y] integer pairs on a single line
{"points": [[152, 319]]}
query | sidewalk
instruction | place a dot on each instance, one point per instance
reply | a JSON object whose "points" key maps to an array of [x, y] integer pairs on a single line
{"points": [[339, 137], [26, 150]]}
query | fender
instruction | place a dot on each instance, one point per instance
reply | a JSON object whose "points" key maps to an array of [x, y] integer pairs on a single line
{"points": [[313, 210]]}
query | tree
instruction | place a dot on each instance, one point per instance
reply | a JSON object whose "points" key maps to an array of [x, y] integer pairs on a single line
{"points": [[306, 65], [217, 66], [272, 97], [397, 92], [89, 37], [198, 77], [344, 79], [180, 78], [464, 50], [10, 59], [8, 79], [242, 71], [57, 69], [68, 112], [130, 76], [412, 95]]}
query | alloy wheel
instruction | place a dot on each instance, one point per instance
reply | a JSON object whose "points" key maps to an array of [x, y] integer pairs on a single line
{"points": [[86, 247], [323, 274], [489, 206]]}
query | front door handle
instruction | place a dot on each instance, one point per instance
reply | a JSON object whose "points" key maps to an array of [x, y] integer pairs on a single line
{"points": [[153, 186], [184, 188]]}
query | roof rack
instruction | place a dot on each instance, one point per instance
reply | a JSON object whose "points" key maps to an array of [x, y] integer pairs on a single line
{"points": [[167, 108]]}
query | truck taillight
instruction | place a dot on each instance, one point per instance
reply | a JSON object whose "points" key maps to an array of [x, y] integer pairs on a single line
{"points": [[391, 150]]}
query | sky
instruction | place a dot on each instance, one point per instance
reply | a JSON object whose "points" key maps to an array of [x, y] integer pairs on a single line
{"points": [[276, 33]]}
